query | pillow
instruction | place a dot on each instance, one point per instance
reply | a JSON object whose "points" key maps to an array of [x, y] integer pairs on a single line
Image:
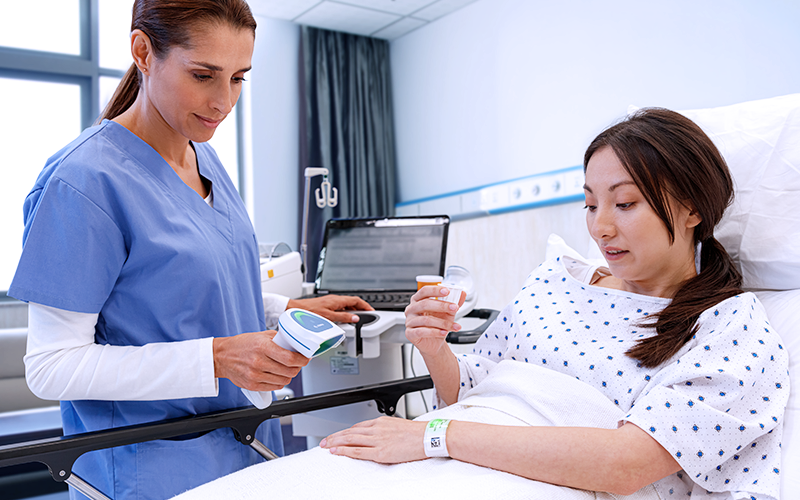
{"points": [[760, 140], [557, 247], [783, 310]]}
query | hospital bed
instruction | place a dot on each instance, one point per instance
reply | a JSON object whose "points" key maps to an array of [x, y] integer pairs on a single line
{"points": [[760, 140]]}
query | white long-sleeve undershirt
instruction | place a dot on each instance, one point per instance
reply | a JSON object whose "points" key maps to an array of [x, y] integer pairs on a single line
{"points": [[63, 362]]}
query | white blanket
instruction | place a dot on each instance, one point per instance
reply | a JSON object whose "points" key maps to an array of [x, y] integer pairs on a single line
{"points": [[513, 394]]}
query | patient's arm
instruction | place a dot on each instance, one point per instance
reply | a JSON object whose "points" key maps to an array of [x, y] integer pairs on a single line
{"points": [[427, 325], [619, 461]]}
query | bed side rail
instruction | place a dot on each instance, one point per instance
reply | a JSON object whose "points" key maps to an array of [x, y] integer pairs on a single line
{"points": [[60, 453], [472, 336]]}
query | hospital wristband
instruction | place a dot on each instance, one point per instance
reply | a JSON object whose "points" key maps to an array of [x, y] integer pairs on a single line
{"points": [[435, 439]]}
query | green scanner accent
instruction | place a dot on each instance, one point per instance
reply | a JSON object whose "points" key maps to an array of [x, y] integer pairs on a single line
{"points": [[310, 322], [331, 342]]}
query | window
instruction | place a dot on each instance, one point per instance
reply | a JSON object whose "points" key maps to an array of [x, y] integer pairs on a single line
{"points": [[60, 62], [115, 28], [40, 127], [56, 27]]}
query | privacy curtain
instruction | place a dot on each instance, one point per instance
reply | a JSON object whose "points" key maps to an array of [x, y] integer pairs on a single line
{"points": [[347, 126]]}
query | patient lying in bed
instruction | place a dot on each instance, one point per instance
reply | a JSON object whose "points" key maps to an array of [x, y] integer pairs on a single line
{"points": [[655, 377]]}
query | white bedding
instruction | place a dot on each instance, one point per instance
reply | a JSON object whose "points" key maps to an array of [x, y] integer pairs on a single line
{"points": [[551, 398]]}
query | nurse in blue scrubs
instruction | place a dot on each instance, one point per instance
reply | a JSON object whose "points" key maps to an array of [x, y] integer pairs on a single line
{"points": [[141, 268]]}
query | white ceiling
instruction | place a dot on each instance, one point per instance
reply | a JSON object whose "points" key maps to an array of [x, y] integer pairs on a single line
{"points": [[387, 19]]}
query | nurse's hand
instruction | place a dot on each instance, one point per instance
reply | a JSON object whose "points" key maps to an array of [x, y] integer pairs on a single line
{"points": [[386, 440], [253, 361], [428, 321], [333, 307]]}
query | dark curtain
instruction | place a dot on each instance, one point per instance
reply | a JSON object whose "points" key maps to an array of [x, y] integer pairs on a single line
{"points": [[346, 126]]}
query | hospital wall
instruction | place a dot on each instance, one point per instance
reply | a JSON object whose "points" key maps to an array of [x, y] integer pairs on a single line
{"points": [[273, 120], [503, 89]]}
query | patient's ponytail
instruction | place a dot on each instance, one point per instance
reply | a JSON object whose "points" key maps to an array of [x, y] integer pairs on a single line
{"points": [[676, 324], [669, 156]]}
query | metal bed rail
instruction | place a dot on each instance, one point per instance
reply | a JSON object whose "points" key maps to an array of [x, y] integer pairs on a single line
{"points": [[60, 453]]}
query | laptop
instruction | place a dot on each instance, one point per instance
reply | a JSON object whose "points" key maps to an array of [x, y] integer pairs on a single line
{"points": [[379, 259]]}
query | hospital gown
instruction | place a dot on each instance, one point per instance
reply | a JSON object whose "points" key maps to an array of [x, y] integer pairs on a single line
{"points": [[716, 405]]}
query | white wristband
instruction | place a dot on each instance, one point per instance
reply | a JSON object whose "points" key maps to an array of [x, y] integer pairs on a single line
{"points": [[435, 439]]}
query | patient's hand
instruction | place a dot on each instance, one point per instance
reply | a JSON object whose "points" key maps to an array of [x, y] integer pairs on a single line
{"points": [[386, 440], [428, 321]]}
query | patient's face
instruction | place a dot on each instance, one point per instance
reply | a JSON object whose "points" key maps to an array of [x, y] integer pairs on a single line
{"points": [[633, 239]]}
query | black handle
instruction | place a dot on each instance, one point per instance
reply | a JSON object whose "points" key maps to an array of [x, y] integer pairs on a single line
{"points": [[472, 336], [364, 318]]}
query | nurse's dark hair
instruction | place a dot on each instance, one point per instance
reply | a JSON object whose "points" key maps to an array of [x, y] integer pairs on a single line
{"points": [[171, 23], [670, 157]]}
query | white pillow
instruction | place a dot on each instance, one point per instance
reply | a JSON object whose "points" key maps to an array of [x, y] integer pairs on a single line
{"points": [[557, 247], [760, 140], [783, 311]]}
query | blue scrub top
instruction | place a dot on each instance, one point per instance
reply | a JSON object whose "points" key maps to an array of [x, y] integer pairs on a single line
{"points": [[110, 228]]}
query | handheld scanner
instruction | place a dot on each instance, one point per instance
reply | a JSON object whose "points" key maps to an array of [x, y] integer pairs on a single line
{"points": [[307, 333]]}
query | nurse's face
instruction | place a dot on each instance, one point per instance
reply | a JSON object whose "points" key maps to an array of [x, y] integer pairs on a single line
{"points": [[193, 89], [632, 237]]}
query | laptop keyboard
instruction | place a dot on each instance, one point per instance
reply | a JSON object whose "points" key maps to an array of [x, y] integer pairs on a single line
{"points": [[395, 301]]}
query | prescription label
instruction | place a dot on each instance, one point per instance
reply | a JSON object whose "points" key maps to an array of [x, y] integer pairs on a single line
{"points": [[344, 365]]}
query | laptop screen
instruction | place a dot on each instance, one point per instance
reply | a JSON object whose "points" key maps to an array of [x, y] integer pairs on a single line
{"points": [[381, 254]]}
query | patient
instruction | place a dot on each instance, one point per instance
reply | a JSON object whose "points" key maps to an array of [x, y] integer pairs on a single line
{"points": [[664, 333]]}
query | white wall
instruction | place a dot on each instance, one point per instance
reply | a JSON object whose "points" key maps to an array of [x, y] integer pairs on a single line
{"points": [[273, 106], [503, 89], [506, 88], [501, 250]]}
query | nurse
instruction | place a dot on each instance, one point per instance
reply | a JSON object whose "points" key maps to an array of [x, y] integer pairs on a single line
{"points": [[141, 268]]}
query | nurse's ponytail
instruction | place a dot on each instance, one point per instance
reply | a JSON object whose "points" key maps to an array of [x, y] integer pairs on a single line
{"points": [[173, 23], [670, 158], [124, 96]]}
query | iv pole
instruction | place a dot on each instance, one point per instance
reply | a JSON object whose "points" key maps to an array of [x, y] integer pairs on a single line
{"points": [[325, 196]]}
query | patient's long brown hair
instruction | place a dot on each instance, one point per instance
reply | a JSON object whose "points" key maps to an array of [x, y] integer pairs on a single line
{"points": [[668, 155], [171, 23]]}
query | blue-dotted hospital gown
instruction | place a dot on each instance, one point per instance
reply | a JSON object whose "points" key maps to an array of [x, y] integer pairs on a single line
{"points": [[716, 406]]}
